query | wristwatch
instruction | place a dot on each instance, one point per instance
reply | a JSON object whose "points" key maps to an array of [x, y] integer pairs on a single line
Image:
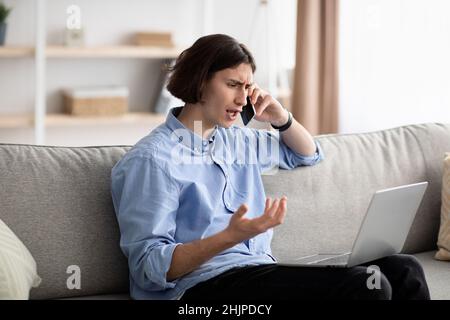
{"points": [[284, 126]]}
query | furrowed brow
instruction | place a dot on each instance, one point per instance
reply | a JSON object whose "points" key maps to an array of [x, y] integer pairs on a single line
{"points": [[239, 82]]}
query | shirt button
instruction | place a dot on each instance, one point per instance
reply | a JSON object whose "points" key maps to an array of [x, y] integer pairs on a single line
{"points": [[180, 139]]}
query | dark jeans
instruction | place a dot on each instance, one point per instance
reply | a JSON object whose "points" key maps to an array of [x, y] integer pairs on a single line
{"points": [[400, 277]]}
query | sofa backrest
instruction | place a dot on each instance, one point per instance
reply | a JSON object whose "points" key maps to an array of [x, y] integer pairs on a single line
{"points": [[57, 200], [327, 202]]}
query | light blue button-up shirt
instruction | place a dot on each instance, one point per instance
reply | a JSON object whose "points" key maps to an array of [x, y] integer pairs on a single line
{"points": [[174, 187]]}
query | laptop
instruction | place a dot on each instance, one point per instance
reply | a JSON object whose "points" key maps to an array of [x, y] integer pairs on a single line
{"points": [[382, 233]]}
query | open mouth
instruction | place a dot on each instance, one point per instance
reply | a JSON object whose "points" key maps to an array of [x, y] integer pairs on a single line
{"points": [[232, 113]]}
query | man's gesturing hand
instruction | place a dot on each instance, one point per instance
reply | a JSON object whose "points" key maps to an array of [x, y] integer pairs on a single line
{"points": [[240, 228], [188, 256]]}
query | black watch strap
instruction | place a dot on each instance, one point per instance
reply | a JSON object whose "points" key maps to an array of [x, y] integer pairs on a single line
{"points": [[284, 126]]}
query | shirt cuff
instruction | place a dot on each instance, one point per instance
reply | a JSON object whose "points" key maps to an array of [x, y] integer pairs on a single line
{"points": [[310, 160], [159, 261]]}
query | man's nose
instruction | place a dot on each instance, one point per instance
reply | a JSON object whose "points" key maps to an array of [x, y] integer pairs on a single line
{"points": [[241, 98]]}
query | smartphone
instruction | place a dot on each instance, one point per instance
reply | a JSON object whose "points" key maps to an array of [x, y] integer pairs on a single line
{"points": [[248, 112]]}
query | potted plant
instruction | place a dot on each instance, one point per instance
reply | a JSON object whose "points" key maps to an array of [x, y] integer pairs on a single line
{"points": [[4, 12]]}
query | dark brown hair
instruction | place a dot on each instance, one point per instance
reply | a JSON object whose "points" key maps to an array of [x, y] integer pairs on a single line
{"points": [[197, 64]]}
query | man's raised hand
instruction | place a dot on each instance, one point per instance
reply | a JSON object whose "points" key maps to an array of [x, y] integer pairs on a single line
{"points": [[241, 228]]}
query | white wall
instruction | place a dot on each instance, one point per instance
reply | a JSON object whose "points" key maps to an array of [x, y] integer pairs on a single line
{"points": [[394, 63], [263, 29]]}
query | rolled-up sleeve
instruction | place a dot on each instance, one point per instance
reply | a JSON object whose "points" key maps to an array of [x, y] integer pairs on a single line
{"points": [[145, 200], [290, 159], [272, 152]]}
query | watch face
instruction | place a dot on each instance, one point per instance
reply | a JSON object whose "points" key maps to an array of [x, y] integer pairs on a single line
{"points": [[248, 112]]}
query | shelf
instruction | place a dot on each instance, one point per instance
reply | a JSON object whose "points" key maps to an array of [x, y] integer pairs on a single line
{"points": [[94, 52], [65, 120], [16, 121], [112, 52], [16, 52], [53, 120]]}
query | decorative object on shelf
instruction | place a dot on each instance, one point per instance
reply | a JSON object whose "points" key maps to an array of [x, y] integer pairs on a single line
{"points": [[153, 38], [4, 12], [96, 101], [74, 37]]}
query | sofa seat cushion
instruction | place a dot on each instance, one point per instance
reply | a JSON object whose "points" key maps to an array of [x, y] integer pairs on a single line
{"points": [[437, 274]]}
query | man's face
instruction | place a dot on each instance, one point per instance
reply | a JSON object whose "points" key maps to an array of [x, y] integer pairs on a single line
{"points": [[225, 95]]}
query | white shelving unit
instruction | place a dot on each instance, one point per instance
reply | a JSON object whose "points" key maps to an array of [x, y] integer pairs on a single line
{"points": [[39, 120], [39, 124], [40, 103]]}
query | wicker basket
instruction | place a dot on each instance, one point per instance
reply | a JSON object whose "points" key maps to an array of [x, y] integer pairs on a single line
{"points": [[96, 101], [158, 39]]}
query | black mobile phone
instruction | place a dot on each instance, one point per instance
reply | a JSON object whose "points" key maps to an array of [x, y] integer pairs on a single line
{"points": [[248, 112]]}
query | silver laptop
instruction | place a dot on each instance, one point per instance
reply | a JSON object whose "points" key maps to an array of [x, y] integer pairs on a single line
{"points": [[382, 233]]}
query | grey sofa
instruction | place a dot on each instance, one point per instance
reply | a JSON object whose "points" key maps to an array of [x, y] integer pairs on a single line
{"points": [[57, 201]]}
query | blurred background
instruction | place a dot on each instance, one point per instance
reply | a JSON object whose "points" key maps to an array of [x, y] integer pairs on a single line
{"points": [[91, 72]]}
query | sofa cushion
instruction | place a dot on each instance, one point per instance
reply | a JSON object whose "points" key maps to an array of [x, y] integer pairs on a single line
{"points": [[444, 232], [58, 201], [17, 267], [437, 274]]}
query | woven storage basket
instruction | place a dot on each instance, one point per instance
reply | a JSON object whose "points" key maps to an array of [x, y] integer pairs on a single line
{"points": [[96, 101]]}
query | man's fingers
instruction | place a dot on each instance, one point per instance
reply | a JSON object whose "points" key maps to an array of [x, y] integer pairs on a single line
{"points": [[273, 214], [281, 212], [271, 207], [277, 213], [242, 210], [266, 101], [274, 207], [255, 94], [268, 202]]}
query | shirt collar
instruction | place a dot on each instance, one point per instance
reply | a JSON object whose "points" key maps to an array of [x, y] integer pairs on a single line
{"points": [[187, 136]]}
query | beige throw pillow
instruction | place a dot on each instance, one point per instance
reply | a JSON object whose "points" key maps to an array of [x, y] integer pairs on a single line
{"points": [[17, 267], [444, 232]]}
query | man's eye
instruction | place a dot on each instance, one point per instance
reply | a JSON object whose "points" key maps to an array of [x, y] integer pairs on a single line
{"points": [[232, 85]]}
